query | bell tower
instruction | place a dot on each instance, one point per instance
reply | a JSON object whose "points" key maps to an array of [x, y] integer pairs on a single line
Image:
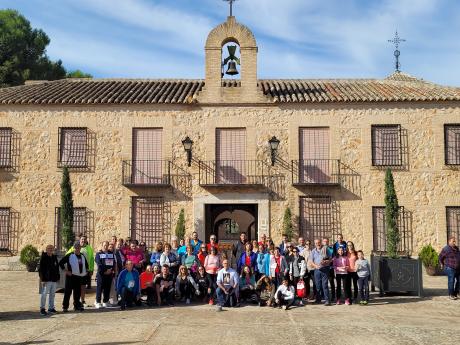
{"points": [[227, 91]]}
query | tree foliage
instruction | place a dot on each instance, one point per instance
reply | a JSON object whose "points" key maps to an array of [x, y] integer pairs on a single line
{"points": [[180, 226], [78, 74], [23, 52], [67, 235], [288, 229], [391, 215]]}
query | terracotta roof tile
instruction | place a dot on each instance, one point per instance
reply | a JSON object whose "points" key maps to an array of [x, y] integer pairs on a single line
{"points": [[398, 87]]}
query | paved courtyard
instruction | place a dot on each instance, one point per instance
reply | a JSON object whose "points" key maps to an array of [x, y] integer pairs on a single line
{"points": [[389, 320]]}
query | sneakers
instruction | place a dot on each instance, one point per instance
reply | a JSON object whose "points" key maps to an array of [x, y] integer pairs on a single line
{"points": [[365, 302], [338, 302], [187, 301], [219, 308], [43, 312], [327, 304], [453, 298], [284, 307], [347, 302], [52, 311], [211, 301], [97, 305], [105, 305]]}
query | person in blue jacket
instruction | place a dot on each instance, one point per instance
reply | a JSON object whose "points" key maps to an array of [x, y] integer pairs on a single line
{"points": [[156, 255], [128, 286], [195, 243], [247, 258], [106, 266]]}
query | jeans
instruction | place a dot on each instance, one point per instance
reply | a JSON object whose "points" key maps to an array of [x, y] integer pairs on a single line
{"points": [[48, 288], [363, 284], [353, 279], [453, 281], [223, 298], [322, 280], [332, 283], [284, 301], [342, 281], [128, 298], [104, 283]]}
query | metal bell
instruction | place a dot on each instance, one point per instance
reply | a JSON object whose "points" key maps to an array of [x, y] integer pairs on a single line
{"points": [[232, 68]]}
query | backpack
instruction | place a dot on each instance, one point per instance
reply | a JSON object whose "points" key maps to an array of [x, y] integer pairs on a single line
{"points": [[301, 289]]}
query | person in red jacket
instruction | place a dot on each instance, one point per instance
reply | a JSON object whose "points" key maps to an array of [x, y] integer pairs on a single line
{"points": [[202, 254]]}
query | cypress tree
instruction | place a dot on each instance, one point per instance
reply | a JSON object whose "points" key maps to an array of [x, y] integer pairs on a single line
{"points": [[67, 235], [288, 230], [180, 226], [391, 215]]}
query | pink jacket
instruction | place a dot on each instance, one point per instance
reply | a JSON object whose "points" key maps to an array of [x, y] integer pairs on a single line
{"points": [[352, 259], [135, 256], [212, 264], [341, 263]]}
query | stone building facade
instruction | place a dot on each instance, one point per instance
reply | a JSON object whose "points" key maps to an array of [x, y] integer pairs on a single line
{"points": [[122, 140]]}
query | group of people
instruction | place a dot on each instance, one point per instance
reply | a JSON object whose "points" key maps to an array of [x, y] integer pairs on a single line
{"points": [[184, 270]]}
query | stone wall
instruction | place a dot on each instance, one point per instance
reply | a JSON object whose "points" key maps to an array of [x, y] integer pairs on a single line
{"points": [[424, 188]]}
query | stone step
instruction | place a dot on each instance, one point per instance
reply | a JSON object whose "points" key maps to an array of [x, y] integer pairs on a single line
{"points": [[11, 263]]}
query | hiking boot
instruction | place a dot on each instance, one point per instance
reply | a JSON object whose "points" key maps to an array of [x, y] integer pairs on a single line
{"points": [[43, 312]]}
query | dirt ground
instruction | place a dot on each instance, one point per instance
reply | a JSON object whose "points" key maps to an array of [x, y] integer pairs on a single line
{"points": [[389, 320]]}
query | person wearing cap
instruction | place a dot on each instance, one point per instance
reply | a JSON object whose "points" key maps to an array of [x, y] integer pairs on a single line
{"points": [[88, 252], [76, 270]]}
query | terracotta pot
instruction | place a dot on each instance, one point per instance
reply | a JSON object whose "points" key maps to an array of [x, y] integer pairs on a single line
{"points": [[433, 271], [31, 266]]}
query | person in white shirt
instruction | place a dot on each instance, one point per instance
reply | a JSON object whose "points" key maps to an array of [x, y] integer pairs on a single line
{"points": [[285, 295], [227, 286]]}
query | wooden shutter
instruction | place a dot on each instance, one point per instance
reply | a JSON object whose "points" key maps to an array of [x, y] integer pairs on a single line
{"points": [[314, 164], [147, 222], [73, 147], [231, 155], [5, 147], [316, 217], [452, 144], [379, 229], [147, 155], [453, 222], [386, 145], [5, 229]]}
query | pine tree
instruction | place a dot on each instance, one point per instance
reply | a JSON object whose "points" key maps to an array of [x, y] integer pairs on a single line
{"points": [[180, 226], [67, 235], [391, 216], [288, 230]]}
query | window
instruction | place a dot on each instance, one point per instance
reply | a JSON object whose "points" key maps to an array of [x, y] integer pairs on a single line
{"points": [[380, 232], [73, 147], [147, 220], [316, 217], [147, 166], [453, 222], [231, 156], [81, 224], [6, 135], [452, 144], [5, 229], [386, 145]]}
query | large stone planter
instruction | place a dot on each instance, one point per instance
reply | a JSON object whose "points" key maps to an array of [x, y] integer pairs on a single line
{"points": [[396, 275]]}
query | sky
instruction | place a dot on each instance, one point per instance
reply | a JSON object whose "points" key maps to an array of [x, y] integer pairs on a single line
{"points": [[296, 38]]}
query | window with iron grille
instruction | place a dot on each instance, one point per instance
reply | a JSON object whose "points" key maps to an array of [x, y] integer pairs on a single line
{"points": [[73, 147], [231, 165], [316, 217], [6, 137], [380, 231], [452, 144], [147, 220], [5, 229], [453, 222], [386, 145], [81, 224]]}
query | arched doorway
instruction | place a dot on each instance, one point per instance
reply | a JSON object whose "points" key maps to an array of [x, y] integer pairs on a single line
{"points": [[228, 221]]}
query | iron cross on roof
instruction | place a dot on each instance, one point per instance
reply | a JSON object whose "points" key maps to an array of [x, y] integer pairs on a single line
{"points": [[231, 6], [396, 40]]}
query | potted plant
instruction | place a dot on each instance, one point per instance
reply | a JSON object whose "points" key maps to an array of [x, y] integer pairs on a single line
{"points": [[394, 270], [30, 257], [288, 229], [430, 260]]}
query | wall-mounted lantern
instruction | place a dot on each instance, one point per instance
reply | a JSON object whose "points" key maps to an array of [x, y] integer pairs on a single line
{"points": [[274, 143], [188, 143]]}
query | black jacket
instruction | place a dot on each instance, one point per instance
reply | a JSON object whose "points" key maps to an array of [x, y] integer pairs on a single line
{"points": [[48, 269]]}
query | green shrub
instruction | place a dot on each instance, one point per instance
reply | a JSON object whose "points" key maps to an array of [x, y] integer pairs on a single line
{"points": [[288, 229], [429, 256], [29, 255], [180, 226]]}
